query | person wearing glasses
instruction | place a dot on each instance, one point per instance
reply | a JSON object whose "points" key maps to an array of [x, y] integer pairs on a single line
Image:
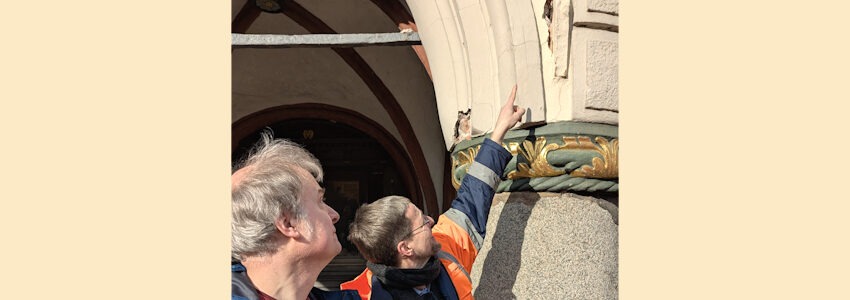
{"points": [[408, 255], [283, 233]]}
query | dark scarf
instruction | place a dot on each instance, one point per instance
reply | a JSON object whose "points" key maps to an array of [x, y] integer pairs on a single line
{"points": [[400, 282]]}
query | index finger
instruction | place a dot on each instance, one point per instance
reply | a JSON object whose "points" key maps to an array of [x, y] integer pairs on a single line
{"points": [[512, 96]]}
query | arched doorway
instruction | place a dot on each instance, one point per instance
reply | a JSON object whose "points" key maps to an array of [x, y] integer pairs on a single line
{"points": [[361, 160]]}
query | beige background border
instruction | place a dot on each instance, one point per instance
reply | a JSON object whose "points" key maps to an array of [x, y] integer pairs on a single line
{"points": [[115, 122]]}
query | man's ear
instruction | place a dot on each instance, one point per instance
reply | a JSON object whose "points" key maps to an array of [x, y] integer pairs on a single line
{"points": [[404, 249], [286, 227]]}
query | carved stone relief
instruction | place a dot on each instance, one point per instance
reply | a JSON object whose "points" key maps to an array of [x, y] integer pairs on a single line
{"points": [[567, 160], [583, 40]]}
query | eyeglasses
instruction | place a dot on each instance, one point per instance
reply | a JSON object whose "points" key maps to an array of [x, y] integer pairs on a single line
{"points": [[428, 221]]}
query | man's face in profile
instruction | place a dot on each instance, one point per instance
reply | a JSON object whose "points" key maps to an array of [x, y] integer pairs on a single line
{"points": [[420, 239], [319, 218]]}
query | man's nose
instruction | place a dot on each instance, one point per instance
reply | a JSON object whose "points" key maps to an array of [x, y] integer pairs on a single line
{"points": [[334, 215]]}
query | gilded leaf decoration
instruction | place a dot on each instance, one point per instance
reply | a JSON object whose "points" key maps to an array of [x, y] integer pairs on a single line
{"points": [[537, 165], [604, 167], [464, 158], [578, 143], [512, 147]]}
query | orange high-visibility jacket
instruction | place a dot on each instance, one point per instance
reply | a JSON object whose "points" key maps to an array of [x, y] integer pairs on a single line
{"points": [[460, 230]]}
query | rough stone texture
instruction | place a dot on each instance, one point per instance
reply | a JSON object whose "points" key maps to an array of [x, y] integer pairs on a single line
{"points": [[596, 11], [605, 6], [548, 246], [594, 65], [602, 82]]}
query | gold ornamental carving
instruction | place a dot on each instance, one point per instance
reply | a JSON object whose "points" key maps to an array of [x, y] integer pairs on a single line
{"points": [[465, 157], [536, 164], [604, 167], [535, 154]]}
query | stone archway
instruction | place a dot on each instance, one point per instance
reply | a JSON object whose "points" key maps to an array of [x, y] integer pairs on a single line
{"points": [[476, 53]]}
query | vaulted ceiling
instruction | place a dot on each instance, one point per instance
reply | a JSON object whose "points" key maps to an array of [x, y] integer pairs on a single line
{"points": [[390, 85]]}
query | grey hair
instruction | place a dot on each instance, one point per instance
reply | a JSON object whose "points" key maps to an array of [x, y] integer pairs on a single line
{"points": [[378, 227], [268, 190]]}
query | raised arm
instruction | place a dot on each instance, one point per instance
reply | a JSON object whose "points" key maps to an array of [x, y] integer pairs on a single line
{"points": [[508, 117], [477, 189]]}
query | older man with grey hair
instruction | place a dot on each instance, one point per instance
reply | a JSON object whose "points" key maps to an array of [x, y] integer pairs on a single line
{"points": [[283, 233]]}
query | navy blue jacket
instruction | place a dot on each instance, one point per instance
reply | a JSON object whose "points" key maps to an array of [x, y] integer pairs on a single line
{"points": [[243, 289]]}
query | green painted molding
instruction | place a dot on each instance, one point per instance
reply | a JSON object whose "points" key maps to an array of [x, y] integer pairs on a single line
{"points": [[557, 157]]}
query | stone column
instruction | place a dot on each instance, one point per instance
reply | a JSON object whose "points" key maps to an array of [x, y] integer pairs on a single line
{"points": [[553, 227], [552, 231]]}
